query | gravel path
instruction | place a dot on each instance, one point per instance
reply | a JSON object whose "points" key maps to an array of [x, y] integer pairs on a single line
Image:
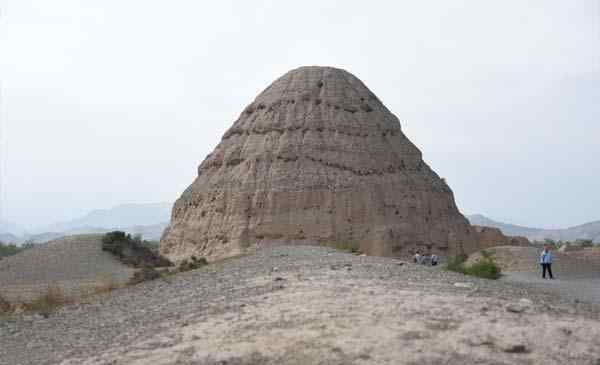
{"points": [[300, 305], [582, 289], [577, 277]]}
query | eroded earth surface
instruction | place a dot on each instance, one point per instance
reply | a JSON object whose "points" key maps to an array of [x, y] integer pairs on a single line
{"points": [[312, 305]]}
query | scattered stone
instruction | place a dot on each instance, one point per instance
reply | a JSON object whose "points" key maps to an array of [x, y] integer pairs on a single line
{"points": [[480, 341], [464, 285], [521, 306], [516, 349], [414, 308], [525, 301], [567, 331]]}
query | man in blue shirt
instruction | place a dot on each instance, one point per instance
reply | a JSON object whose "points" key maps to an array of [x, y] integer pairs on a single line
{"points": [[546, 262]]}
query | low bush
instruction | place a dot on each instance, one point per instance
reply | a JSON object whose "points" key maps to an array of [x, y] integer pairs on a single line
{"points": [[348, 246], [152, 245], [5, 306], [144, 274], [132, 251], [52, 299], [8, 249], [193, 264], [486, 267], [457, 264]]}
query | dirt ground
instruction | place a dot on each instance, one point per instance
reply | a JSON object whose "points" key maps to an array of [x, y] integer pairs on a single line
{"points": [[312, 305]]}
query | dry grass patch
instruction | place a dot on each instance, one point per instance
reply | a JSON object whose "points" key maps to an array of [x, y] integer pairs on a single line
{"points": [[5, 306], [48, 302], [55, 297], [105, 285], [348, 246]]}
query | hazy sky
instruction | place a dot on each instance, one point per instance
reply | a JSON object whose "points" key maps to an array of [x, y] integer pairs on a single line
{"points": [[109, 102]]}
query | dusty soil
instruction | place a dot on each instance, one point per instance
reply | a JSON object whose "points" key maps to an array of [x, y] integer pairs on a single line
{"points": [[76, 264], [576, 274], [312, 305]]}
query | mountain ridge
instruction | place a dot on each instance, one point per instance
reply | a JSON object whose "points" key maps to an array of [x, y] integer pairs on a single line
{"points": [[147, 219], [589, 230]]}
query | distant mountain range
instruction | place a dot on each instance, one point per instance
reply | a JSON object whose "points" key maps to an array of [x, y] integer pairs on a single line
{"points": [[121, 216], [13, 228], [149, 220], [587, 231]]}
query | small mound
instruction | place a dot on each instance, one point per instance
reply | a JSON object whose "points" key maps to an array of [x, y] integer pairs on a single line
{"points": [[591, 254], [76, 264]]}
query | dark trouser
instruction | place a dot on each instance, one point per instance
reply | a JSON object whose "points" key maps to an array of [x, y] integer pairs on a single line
{"points": [[546, 267]]}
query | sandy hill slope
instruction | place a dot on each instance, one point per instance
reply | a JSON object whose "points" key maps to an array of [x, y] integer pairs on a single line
{"points": [[73, 263], [312, 305]]}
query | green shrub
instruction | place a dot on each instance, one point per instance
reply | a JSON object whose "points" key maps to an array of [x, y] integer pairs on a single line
{"points": [[8, 249], [486, 267], [193, 264], [153, 245], [349, 246], [584, 243], [457, 264], [132, 251], [144, 274]]}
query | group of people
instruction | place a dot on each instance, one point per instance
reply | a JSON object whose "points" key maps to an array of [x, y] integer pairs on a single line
{"points": [[425, 259]]}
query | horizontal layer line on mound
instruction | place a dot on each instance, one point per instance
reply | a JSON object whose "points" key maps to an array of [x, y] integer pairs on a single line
{"points": [[281, 130], [274, 106], [390, 169]]}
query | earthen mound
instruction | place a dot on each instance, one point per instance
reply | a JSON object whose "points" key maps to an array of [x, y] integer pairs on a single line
{"points": [[491, 236], [316, 159]]}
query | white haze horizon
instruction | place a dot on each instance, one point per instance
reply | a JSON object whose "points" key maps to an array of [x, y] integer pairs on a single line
{"points": [[120, 101]]}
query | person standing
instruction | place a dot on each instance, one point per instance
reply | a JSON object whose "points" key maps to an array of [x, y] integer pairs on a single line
{"points": [[417, 258], [546, 262]]}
